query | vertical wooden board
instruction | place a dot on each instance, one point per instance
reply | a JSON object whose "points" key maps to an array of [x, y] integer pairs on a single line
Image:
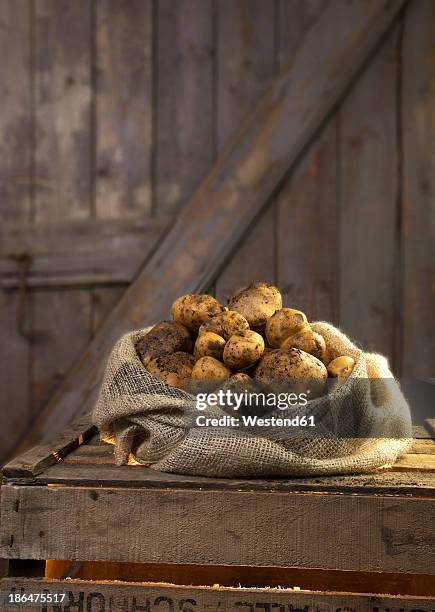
{"points": [[184, 100], [16, 111], [368, 202], [62, 80], [123, 107], [307, 203], [63, 168], [103, 301], [418, 236], [14, 375], [307, 231], [246, 64], [16, 206], [245, 61], [62, 323]]}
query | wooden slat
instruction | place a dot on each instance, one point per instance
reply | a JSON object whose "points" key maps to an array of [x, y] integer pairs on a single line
{"points": [[426, 430], [16, 113], [246, 61], [123, 109], [15, 412], [234, 191], [229, 527], [98, 454], [418, 226], [62, 81], [425, 447], [63, 188], [185, 128], [307, 205], [246, 65], [123, 596], [368, 203], [104, 300], [78, 253], [40, 457], [422, 459], [307, 267], [62, 327], [102, 472], [417, 462], [16, 206]]}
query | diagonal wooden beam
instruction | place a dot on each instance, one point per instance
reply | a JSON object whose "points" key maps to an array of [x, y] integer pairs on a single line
{"points": [[232, 194]]}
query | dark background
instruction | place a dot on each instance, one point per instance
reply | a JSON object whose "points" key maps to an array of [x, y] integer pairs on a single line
{"points": [[110, 114]]}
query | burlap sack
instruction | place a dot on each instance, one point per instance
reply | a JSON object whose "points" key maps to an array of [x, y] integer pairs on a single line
{"points": [[150, 421]]}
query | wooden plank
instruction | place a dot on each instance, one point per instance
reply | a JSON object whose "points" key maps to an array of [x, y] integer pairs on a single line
{"points": [[245, 62], [40, 457], [246, 65], [63, 190], [98, 454], [235, 190], [80, 252], [62, 81], [62, 319], [124, 94], [418, 462], [426, 430], [368, 194], [426, 447], [106, 596], [307, 206], [421, 456], [185, 141], [383, 482], [307, 233], [418, 227], [229, 527], [104, 300], [14, 372], [16, 115], [16, 206]]}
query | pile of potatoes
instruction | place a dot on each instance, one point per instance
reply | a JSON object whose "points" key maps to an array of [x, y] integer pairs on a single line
{"points": [[252, 343]]}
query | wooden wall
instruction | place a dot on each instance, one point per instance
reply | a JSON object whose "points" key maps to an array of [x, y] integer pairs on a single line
{"points": [[111, 111]]}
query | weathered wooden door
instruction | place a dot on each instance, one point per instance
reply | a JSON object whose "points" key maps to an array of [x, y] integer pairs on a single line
{"points": [[113, 112]]}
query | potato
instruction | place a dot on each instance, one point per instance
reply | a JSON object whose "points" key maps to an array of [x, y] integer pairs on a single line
{"points": [[209, 369], [163, 339], [240, 384], [341, 367], [210, 344], [174, 369], [225, 324], [243, 350], [284, 323], [309, 341], [292, 371], [194, 309], [257, 303], [239, 381]]}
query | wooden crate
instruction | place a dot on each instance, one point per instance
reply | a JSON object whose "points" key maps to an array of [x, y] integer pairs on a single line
{"points": [[131, 539]]}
